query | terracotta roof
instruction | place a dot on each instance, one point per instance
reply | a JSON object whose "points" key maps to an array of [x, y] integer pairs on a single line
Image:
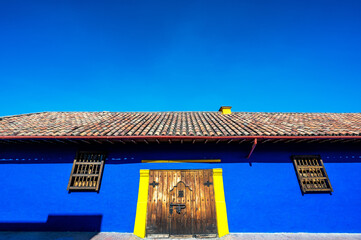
{"points": [[181, 124]]}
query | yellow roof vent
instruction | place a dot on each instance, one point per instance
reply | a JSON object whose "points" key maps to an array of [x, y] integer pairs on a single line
{"points": [[225, 110]]}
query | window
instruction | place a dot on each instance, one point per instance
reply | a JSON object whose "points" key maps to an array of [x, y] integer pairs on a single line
{"points": [[87, 171], [311, 174]]}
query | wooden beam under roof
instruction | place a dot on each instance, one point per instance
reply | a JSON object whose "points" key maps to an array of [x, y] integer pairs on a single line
{"points": [[290, 140], [84, 141], [60, 141], [48, 141], [4, 142], [349, 140], [72, 141], [301, 140], [265, 140], [314, 140], [325, 140], [279, 140], [97, 141]]}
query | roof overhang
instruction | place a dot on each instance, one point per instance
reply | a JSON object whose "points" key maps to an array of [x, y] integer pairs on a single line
{"points": [[178, 139]]}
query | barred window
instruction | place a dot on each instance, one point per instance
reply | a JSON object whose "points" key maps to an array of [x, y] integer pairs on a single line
{"points": [[87, 171], [311, 174]]}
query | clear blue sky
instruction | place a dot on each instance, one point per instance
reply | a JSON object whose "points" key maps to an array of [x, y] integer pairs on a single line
{"points": [[293, 56]]}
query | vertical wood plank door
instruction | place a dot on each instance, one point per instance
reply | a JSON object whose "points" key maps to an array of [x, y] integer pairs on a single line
{"points": [[181, 203]]}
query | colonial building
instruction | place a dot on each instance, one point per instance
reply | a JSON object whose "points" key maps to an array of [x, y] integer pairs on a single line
{"points": [[160, 174]]}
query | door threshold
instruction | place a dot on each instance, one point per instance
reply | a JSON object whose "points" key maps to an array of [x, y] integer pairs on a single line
{"points": [[193, 236], [158, 236], [213, 235], [181, 236]]}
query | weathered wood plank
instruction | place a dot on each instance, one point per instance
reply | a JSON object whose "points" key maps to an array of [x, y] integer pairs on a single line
{"points": [[159, 200], [164, 198]]}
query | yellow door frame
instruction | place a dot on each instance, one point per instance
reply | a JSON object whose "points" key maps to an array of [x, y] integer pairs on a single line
{"points": [[221, 210], [141, 215]]}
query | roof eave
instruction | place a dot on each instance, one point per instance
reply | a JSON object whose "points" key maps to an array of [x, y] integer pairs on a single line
{"points": [[183, 137]]}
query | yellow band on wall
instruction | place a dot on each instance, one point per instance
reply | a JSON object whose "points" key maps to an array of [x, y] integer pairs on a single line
{"points": [[222, 222], [141, 215], [183, 161]]}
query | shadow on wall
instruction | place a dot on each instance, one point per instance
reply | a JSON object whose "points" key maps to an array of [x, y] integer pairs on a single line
{"points": [[59, 223], [124, 154]]}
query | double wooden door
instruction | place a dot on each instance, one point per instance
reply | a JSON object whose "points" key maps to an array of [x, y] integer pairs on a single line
{"points": [[181, 203]]}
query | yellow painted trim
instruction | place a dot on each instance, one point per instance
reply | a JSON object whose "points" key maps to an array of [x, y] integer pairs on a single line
{"points": [[141, 215], [221, 210], [182, 161]]}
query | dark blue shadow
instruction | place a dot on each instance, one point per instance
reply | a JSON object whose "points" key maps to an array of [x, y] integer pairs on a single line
{"points": [[229, 153], [59, 223]]}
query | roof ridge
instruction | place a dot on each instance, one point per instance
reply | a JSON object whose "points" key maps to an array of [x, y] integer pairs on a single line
{"points": [[164, 112], [22, 114], [117, 112]]}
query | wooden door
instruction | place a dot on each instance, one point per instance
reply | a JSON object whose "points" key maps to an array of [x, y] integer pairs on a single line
{"points": [[181, 203]]}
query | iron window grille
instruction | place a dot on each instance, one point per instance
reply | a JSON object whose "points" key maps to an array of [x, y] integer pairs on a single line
{"points": [[87, 171], [311, 174]]}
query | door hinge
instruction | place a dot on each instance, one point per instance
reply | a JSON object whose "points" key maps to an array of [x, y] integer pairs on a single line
{"points": [[154, 184], [208, 183]]}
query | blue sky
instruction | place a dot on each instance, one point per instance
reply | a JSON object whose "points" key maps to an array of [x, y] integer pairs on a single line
{"points": [[288, 56]]}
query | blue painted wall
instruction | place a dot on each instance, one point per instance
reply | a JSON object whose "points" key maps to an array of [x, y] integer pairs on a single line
{"points": [[264, 197]]}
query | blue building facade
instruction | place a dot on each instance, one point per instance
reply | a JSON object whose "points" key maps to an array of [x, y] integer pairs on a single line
{"points": [[262, 192]]}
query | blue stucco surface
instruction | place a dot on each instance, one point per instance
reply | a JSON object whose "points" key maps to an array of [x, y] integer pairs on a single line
{"points": [[261, 197]]}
